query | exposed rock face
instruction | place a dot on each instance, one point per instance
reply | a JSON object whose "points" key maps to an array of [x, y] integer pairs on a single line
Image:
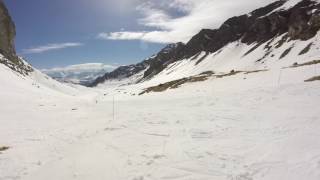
{"points": [[7, 47], [303, 21], [299, 22], [7, 32], [198, 43], [166, 56]]}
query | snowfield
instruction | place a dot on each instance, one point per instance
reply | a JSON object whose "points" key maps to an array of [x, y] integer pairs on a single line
{"points": [[258, 126]]}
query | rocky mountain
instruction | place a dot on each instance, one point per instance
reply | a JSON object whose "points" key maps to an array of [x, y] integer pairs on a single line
{"points": [[7, 46], [83, 74], [7, 32], [301, 21], [150, 66]]}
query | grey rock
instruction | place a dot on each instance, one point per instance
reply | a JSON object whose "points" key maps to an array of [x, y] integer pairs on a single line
{"points": [[7, 32], [7, 46]]}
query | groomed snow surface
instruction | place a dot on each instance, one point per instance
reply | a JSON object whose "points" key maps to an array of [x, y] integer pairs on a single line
{"points": [[258, 126]]}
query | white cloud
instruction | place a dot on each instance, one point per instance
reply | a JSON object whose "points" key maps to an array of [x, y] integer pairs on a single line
{"points": [[87, 67], [196, 15], [79, 73], [50, 47], [122, 35]]}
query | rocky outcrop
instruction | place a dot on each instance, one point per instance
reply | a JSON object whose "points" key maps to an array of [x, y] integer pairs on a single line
{"points": [[167, 55], [304, 20], [7, 32], [7, 46], [299, 22]]}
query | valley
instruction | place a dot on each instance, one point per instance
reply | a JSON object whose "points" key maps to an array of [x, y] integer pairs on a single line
{"points": [[198, 131], [240, 102]]}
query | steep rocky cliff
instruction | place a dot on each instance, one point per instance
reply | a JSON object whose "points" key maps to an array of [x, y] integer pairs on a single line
{"points": [[7, 46], [7, 32], [300, 22]]}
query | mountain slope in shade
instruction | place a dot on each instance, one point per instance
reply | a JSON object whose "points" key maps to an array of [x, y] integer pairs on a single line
{"points": [[8, 54], [281, 24], [83, 74]]}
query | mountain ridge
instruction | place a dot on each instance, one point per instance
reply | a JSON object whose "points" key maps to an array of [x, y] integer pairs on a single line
{"points": [[299, 22]]}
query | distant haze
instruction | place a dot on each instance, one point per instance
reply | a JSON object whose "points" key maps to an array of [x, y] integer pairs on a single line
{"points": [[80, 73]]}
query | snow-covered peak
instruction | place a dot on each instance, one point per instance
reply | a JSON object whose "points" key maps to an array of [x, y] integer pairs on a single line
{"points": [[80, 73]]}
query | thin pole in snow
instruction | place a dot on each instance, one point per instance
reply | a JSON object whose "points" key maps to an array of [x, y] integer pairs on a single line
{"points": [[113, 108]]}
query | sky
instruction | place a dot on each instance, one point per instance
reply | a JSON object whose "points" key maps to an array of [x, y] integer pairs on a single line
{"points": [[58, 33]]}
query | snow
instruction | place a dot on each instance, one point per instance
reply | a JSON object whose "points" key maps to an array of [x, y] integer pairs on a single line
{"points": [[257, 126], [289, 4], [233, 57]]}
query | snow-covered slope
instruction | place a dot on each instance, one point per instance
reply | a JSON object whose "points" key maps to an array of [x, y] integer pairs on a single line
{"points": [[261, 126], [232, 57], [269, 56], [34, 82]]}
